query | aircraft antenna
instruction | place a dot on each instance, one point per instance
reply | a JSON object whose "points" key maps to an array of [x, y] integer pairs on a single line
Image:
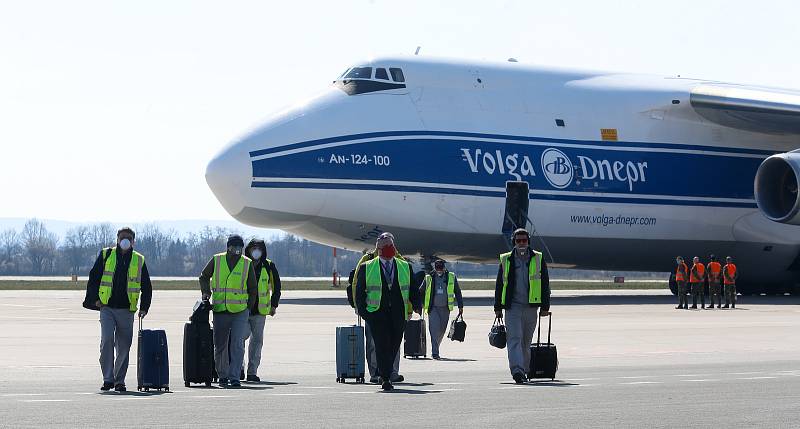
{"points": [[417, 51]]}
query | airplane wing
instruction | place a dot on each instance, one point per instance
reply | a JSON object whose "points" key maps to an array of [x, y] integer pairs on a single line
{"points": [[764, 110]]}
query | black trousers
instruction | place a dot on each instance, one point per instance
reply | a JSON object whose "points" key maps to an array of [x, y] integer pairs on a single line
{"points": [[387, 332]]}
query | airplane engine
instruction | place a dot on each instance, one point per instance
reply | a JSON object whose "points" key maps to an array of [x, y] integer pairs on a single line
{"points": [[776, 184]]}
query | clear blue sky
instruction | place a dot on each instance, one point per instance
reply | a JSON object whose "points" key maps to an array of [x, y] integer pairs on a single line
{"points": [[111, 109]]}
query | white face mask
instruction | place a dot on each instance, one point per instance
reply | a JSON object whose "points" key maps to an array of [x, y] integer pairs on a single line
{"points": [[124, 244], [256, 254]]}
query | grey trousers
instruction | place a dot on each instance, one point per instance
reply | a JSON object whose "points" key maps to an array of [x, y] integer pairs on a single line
{"points": [[437, 325], [520, 326], [229, 327], [256, 335], [116, 333], [372, 359]]}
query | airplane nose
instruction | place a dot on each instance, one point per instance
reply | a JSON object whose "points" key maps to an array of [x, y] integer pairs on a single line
{"points": [[229, 175]]}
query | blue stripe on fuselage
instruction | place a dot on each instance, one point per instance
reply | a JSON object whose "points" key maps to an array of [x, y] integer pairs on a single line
{"points": [[381, 134], [499, 194], [593, 170]]}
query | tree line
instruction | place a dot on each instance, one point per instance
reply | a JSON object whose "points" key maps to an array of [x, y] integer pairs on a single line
{"points": [[36, 251]]}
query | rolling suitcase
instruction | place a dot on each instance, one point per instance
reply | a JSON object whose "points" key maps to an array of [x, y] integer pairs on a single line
{"points": [[198, 347], [152, 369], [414, 339], [350, 352], [544, 356]]}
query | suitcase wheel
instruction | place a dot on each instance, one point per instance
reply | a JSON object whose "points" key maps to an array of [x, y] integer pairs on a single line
{"points": [[208, 384], [338, 379], [186, 384]]}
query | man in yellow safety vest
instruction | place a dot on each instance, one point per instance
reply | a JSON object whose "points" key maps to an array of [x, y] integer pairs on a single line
{"points": [[269, 295], [522, 288], [440, 293], [229, 281], [118, 281], [384, 297]]}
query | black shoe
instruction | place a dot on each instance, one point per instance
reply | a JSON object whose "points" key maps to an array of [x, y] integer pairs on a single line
{"points": [[387, 386], [437, 357], [120, 388], [375, 380], [727, 306], [223, 382], [398, 379], [694, 307], [686, 307], [235, 383], [519, 378], [253, 378], [719, 306], [106, 386], [710, 307], [680, 307], [733, 306]]}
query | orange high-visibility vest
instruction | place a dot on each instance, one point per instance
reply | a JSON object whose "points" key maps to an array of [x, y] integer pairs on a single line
{"points": [[714, 271], [701, 272], [680, 272], [730, 269]]}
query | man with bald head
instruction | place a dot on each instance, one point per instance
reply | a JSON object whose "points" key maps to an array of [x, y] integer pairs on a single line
{"points": [[384, 297]]}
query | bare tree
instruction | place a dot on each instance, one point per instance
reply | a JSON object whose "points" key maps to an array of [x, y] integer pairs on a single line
{"points": [[101, 235], [40, 245], [76, 249], [10, 250]]}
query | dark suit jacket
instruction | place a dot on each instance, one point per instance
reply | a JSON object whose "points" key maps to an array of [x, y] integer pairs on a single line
{"points": [[391, 301]]}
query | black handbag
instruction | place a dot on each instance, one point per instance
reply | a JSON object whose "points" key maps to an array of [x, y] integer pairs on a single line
{"points": [[458, 329], [497, 335]]}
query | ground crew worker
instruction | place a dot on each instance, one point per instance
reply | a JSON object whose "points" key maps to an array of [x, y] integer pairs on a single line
{"points": [[714, 279], [117, 282], [269, 295], [369, 349], [729, 276], [228, 279], [697, 278], [383, 296], [681, 274], [522, 288], [440, 293]]}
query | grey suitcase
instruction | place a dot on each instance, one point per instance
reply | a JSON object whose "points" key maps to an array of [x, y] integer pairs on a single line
{"points": [[350, 353]]}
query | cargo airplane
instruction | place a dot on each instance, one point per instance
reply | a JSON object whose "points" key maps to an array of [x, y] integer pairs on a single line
{"points": [[617, 171]]}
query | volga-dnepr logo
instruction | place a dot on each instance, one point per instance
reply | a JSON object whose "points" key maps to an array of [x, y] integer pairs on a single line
{"points": [[557, 168]]}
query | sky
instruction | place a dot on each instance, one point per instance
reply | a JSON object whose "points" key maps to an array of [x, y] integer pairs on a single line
{"points": [[112, 109]]}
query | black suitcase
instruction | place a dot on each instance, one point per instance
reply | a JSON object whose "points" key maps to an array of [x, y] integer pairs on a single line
{"points": [[415, 344], [458, 329], [198, 347], [152, 369], [544, 356]]}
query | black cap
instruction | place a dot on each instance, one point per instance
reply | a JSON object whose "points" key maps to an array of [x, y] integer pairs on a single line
{"points": [[235, 240]]}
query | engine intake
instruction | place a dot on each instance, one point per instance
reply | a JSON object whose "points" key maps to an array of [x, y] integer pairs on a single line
{"points": [[776, 184]]}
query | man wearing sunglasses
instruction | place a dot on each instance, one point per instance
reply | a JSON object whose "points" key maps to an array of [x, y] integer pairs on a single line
{"points": [[522, 289]]}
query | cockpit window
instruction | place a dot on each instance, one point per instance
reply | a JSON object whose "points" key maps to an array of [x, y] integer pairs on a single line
{"points": [[359, 73], [359, 80], [397, 74], [344, 73]]}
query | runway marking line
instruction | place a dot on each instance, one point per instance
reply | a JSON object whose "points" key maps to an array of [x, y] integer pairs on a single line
{"points": [[45, 400], [22, 394], [756, 378]]}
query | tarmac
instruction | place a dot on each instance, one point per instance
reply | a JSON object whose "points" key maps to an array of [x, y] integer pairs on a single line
{"points": [[627, 359]]}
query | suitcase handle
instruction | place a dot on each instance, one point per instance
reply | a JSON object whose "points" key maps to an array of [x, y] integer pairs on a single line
{"points": [[539, 329], [140, 322]]}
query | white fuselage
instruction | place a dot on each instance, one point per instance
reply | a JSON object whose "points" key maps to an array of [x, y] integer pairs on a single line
{"points": [[623, 173]]}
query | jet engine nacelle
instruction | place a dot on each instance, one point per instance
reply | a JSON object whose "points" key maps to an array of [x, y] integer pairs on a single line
{"points": [[776, 184]]}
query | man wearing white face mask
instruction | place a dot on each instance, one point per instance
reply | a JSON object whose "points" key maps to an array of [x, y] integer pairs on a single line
{"points": [[269, 295], [117, 282], [228, 279]]}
